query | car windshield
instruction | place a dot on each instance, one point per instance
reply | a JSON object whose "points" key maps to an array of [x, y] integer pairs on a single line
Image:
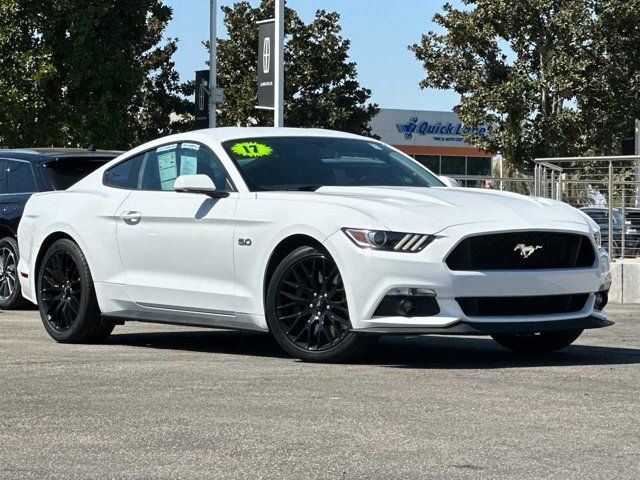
{"points": [[64, 172], [601, 217], [307, 163]]}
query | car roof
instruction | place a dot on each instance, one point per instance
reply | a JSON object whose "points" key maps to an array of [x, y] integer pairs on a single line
{"points": [[223, 134], [46, 154]]}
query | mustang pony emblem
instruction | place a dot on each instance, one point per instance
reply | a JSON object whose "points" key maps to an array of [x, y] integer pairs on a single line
{"points": [[526, 250]]}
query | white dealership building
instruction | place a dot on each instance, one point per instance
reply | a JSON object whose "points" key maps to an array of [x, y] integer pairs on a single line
{"points": [[434, 139]]}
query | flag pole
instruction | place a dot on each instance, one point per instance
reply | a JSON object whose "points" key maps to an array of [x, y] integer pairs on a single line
{"points": [[278, 112], [213, 51]]}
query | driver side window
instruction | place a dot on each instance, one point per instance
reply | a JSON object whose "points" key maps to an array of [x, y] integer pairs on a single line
{"points": [[162, 166], [195, 159], [157, 169]]}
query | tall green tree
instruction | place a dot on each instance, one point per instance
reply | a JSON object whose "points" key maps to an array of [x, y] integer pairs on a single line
{"points": [[549, 77], [88, 72], [24, 70], [321, 87]]}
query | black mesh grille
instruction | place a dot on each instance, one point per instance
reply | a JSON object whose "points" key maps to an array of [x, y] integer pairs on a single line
{"points": [[513, 306], [519, 251]]}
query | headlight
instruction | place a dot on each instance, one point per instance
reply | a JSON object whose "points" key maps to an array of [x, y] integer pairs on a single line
{"points": [[390, 241], [597, 236]]}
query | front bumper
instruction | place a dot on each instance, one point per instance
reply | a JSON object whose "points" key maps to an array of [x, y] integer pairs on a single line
{"points": [[369, 276], [488, 328]]}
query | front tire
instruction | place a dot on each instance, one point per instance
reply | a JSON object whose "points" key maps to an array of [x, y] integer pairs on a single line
{"points": [[67, 298], [10, 292], [536, 343], [307, 311]]}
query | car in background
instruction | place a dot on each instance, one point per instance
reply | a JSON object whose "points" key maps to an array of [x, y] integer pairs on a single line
{"points": [[631, 235], [632, 216], [22, 173]]}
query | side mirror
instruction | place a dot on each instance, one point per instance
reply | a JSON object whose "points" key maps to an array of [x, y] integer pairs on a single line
{"points": [[198, 184], [448, 181]]}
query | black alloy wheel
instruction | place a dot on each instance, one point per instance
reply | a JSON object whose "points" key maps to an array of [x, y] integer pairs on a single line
{"points": [[10, 292], [311, 304], [8, 277], [61, 290], [67, 298], [307, 308]]}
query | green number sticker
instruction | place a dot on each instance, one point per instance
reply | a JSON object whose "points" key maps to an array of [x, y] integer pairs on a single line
{"points": [[251, 149]]}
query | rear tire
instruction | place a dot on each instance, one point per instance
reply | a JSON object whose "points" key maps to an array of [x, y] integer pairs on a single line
{"points": [[307, 312], [67, 298], [532, 343], [10, 292]]}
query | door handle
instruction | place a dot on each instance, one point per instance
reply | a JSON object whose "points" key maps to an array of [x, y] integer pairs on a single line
{"points": [[131, 218]]}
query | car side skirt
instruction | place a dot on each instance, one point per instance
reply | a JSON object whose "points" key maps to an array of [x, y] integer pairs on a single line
{"points": [[184, 318]]}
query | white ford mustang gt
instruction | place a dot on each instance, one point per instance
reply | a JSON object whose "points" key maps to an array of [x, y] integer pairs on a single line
{"points": [[325, 239]]}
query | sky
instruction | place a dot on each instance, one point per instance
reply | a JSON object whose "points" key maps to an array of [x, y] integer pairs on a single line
{"points": [[379, 31]]}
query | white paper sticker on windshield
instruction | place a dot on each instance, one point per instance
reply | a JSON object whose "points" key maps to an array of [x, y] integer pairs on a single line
{"points": [[376, 146], [167, 169], [188, 165]]}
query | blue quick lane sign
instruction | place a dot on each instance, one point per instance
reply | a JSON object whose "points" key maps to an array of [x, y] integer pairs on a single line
{"points": [[439, 129]]}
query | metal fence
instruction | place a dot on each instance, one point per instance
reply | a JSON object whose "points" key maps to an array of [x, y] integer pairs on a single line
{"points": [[524, 184], [605, 188]]}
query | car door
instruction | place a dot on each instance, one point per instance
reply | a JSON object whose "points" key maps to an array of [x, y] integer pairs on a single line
{"points": [[177, 248], [4, 214], [20, 185]]}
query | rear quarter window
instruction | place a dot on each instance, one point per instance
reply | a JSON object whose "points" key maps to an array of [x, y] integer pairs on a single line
{"points": [[20, 177], [64, 172]]}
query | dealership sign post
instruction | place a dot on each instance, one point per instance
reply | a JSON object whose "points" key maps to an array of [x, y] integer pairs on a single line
{"points": [[266, 67], [208, 95], [271, 65], [213, 61], [204, 101]]}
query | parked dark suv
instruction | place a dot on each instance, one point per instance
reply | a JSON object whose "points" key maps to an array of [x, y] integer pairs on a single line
{"points": [[22, 173], [631, 237], [632, 215]]}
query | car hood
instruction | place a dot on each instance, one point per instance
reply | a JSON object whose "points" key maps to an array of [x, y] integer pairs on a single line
{"points": [[431, 210]]}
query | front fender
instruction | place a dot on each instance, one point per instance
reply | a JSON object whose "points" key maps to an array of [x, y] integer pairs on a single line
{"points": [[269, 222]]}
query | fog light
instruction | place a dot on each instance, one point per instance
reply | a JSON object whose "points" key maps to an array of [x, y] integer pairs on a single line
{"points": [[406, 305]]}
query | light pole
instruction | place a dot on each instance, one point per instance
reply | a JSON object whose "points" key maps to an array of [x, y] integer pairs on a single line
{"points": [[278, 112], [637, 152], [213, 51]]}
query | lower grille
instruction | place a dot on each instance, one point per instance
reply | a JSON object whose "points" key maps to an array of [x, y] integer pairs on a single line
{"points": [[518, 306], [530, 250]]}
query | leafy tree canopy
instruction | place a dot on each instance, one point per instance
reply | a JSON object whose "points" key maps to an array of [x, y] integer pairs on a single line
{"points": [[550, 77], [321, 86], [74, 72]]}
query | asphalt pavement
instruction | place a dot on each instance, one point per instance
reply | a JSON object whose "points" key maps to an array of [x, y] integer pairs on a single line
{"points": [[162, 402]]}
